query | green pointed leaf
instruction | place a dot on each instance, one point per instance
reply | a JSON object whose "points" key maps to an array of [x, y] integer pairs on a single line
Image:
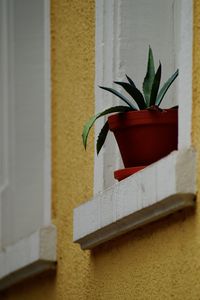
{"points": [[130, 80], [102, 137], [165, 87], [149, 78], [116, 93], [90, 123], [155, 86], [134, 93]]}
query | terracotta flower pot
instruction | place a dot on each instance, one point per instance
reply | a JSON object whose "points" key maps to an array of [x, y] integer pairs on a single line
{"points": [[145, 136]]}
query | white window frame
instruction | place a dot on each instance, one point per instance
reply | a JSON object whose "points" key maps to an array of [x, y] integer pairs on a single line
{"points": [[160, 189], [36, 252], [109, 68]]}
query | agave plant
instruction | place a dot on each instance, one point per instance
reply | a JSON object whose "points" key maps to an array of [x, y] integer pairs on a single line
{"points": [[150, 99]]}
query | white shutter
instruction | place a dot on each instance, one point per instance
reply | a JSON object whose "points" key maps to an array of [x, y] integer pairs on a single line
{"points": [[25, 198]]}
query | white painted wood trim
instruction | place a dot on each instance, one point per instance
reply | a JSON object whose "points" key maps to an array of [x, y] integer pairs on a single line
{"points": [[184, 92], [5, 88], [158, 190], [47, 123], [4, 95], [34, 253], [29, 256], [109, 67]]}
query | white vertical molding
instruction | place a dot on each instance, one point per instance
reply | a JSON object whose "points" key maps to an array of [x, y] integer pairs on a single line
{"points": [[107, 51], [4, 102], [11, 87], [185, 74], [99, 46], [7, 97], [47, 122], [4, 60], [7, 193]]}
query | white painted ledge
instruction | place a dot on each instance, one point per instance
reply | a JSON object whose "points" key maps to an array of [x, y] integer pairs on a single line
{"points": [[28, 257], [157, 191]]}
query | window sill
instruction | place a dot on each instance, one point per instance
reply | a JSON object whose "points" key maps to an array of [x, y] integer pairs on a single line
{"points": [[153, 193], [28, 257]]}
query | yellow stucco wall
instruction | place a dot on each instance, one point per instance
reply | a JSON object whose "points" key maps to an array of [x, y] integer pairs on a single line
{"points": [[159, 261]]}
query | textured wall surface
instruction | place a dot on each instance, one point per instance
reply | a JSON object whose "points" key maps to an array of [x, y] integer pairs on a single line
{"points": [[159, 261]]}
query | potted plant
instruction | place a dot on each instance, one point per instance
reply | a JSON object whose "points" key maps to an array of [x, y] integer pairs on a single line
{"points": [[144, 132]]}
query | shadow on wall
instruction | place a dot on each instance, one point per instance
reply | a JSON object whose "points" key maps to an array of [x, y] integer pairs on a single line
{"points": [[159, 259], [46, 281], [146, 232]]}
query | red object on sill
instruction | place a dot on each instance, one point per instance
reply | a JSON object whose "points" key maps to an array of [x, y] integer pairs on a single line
{"points": [[145, 136], [124, 173]]}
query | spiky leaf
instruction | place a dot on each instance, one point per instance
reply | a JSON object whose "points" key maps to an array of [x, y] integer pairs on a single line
{"points": [[90, 123], [134, 93], [116, 93], [165, 87], [149, 78], [130, 80], [102, 137], [155, 86]]}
